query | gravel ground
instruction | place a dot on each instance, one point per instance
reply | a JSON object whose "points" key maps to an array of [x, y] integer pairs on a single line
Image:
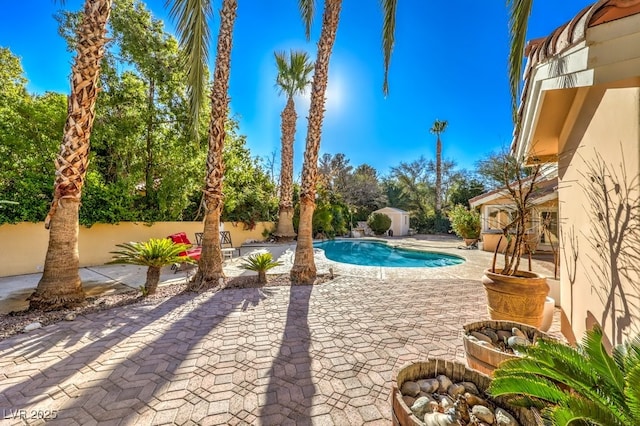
{"points": [[14, 322]]}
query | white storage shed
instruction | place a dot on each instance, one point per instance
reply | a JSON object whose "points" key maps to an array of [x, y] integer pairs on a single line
{"points": [[399, 220]]}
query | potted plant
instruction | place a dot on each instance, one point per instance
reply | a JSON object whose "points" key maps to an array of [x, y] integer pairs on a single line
{"points": [[465, 223], [583, 385], [514, 294]]}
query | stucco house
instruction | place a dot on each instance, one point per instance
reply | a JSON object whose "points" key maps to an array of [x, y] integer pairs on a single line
{"points": [[580, 109], [399, 220], [496, 210]]}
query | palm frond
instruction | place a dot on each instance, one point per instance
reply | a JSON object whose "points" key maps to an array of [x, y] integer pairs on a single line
{"points": [[519, 12], [293, 72], [627, 355], [579, 410], [388, 38], [155, 252], [260, 262], [610, 375], [307, 10], [632, 392], [192, 18], [528, 386]]}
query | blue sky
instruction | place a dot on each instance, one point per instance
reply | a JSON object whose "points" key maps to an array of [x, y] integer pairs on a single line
{"points": [[449, 63]]}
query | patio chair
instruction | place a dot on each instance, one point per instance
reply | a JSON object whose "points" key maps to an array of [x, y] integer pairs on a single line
{"points": [[225, 240], [193, 253]]}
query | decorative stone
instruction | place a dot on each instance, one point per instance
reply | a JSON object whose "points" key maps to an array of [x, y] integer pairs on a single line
{"points": [[70, 316], [483, 414], [474, 400], [503, 335], [422, 406], [445, 402], [480, 336], [503, 418], [31, 327], [486, 344], [470, 387], [517, 332], [410, 388], [455, 390], [444, 383], [440, 419], [491, 334], [516, 340], [428, 385], [409, 400]]}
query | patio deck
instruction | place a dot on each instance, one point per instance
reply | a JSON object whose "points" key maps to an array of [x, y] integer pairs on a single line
{"points": [[321, 355]]}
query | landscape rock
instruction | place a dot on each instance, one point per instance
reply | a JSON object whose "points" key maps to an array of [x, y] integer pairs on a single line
{"points": [[474, 400], [421, 406], [410, 388], [483, 414], [503, 335], [70, 316], [32, 326], [470, 387], [446, 402], [409, 400], [503, 418], [517, 332], [481, 336], [491, 334], [455, 390], [428, 385], [516, 340], [444, 383]]}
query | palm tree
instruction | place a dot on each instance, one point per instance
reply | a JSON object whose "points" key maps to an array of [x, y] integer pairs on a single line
{"points": [[155, 253], [292, 79], [60, 285], [192, 27], [304, 268], [519, 13], [583, 385], [260, 263], [437, 129]]}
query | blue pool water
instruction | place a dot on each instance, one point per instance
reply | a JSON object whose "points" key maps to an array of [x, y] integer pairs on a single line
{"points": [[372, 253]]}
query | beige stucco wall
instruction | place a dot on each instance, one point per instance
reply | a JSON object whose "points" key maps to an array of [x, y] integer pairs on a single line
{"points": [[25, 244], [600, 280]]}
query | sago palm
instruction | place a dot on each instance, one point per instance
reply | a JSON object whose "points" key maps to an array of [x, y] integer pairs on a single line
{"points": [[60, 285], [193, 30], [577, 386], [260, 263], [155, 253], [292, 79], [438, 128], [304, 268]]}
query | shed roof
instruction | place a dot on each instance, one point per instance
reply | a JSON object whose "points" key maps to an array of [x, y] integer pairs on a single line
{"points": [[392, 209]]}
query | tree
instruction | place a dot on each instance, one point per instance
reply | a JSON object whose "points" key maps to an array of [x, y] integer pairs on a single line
{"points": [[60, 285], [304, 269], [334, 172], [194, 33], [292, 79], [437, 129]]}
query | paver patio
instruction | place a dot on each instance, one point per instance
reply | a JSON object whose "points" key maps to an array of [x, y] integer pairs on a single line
{"points": [[321, 355]]}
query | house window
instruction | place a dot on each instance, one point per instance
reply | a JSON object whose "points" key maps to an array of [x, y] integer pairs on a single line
{"points": [[548, 226], [497, 217]]}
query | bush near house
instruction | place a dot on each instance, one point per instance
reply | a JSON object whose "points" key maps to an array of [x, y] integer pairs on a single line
{"points": [[379, 223], [465, 223]]}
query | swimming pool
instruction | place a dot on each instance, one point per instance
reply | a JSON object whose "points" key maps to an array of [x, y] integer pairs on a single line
{"points": [[375, 253]]}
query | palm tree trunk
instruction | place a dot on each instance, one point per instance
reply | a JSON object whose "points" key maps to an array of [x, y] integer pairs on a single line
{"points": [[262, 277], [153, 278], [60, 285], [304, 268], [210, 264], [438, 175], [284, 230]]}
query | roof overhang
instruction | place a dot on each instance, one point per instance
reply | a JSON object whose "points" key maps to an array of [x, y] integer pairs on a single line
{"points": [[556, 84]]}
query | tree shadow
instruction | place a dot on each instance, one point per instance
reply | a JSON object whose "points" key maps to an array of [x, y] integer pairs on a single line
{"points": [[162, 339], [614, 237], [291, 389]]}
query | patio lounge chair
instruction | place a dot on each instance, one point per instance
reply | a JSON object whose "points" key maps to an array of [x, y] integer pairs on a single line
{"points": [[193, 253]]}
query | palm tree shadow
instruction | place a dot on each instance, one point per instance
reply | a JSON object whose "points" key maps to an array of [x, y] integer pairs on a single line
{"points": [[291, 389]]}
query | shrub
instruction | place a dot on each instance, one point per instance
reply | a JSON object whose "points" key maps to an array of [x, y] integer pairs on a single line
{"points": [[260, 263], [379, 223], [465, 223]]}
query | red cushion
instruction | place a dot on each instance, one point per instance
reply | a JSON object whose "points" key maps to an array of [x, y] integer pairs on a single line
{"points": [[180, 237]]}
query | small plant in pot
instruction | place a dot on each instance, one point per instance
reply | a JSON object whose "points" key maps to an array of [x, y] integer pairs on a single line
{"points": [[514, 294], [465, 223]]}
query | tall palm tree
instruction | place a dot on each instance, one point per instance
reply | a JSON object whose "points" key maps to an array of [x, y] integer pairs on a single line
{"points": [[519, 13], [292, 79], [192, 27], [304, 268], [60, 285], [437, 129]]}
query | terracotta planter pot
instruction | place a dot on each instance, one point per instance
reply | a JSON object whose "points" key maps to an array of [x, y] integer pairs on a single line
{"points": [[516, 298], [485, 359], [402, 415]]}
